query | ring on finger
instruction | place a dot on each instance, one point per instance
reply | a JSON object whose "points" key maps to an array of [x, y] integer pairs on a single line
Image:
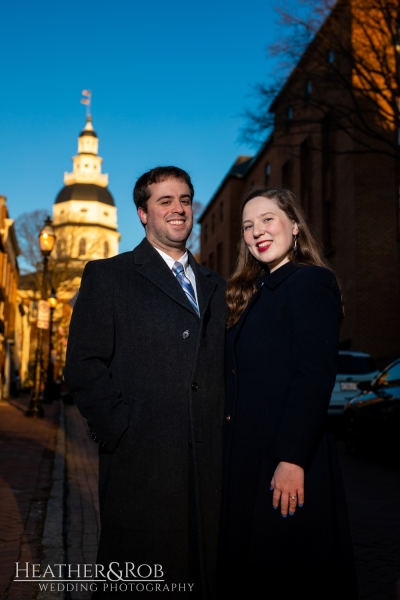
{"points": [[293, 497]]}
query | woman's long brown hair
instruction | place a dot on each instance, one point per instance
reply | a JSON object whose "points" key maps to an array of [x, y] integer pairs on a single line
{"points": [[242, 285]]}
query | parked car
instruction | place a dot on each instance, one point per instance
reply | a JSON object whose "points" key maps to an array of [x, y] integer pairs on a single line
{"points": [[352, 368], [372, 418]]}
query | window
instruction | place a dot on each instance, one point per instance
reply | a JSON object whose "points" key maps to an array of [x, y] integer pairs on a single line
{"points": [[289, 118], [82, 247], [328, 186], [221, 212], [105, 213], [308, 90], [305, 177], [211, 261], [213, 223], [267, 174], [331, 57], [106, 249], [287, 174], [390, 378], [205, 233], [219, 258], [84, 209], [60, 248]]}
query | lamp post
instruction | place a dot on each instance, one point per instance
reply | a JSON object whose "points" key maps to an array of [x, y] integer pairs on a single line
{"points": [[47, 240], [52, 300]]}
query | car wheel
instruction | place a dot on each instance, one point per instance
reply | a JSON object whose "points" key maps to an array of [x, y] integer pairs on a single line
{"points": [[351, 434]]}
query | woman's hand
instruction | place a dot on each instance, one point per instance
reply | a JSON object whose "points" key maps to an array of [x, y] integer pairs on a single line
{"points": [[288, 486]]}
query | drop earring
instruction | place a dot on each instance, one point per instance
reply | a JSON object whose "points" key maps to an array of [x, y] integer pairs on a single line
{"points": [[295, 242]]}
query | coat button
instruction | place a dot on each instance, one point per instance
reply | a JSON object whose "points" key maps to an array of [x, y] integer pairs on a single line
{"points": [[190, 444], [186, 334], [195, 386], [228, 418], [233, 371]]}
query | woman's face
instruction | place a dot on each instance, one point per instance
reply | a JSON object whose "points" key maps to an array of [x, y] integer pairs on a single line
{"points": [[268, 232]]}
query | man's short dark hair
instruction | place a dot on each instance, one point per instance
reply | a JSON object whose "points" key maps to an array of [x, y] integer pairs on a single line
{"points": [[141, 192]]}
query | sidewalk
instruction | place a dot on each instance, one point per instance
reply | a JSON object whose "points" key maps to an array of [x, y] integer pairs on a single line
{"points": [[26, 459]]}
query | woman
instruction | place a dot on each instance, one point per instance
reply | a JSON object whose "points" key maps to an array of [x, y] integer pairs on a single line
{"points": [[284, 517]]}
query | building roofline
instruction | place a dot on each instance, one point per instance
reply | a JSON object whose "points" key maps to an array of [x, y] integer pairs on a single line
{"points": [[242, 164], [289, 79], [248, 163]]}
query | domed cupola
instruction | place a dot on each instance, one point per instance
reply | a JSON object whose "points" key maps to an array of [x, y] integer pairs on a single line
{"points": [[84, 212]]}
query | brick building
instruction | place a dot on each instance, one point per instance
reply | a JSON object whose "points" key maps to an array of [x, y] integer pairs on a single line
{"points": [[350, 193], [9, 273]]}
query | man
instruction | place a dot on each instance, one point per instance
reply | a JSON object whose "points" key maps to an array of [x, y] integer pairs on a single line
{"points": [[145, 365]]}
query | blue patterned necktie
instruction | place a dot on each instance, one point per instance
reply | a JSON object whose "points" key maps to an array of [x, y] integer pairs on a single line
{"points": [[187, 287]]}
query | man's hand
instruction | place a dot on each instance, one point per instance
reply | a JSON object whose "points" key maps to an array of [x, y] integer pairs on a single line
{"points": [[288, 486]]}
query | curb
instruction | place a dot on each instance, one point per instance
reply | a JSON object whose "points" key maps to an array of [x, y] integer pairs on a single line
{"points": [[53, 538]]}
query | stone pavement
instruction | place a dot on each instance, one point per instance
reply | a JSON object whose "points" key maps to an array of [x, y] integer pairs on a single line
{"points": [[43, 474], [26, 458]]}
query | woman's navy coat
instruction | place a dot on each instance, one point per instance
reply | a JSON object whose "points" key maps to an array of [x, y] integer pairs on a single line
{"points": [[281, 359]]}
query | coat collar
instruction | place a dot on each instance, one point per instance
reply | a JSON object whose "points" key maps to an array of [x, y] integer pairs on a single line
{"points": [[271, 281], [152, 266]]}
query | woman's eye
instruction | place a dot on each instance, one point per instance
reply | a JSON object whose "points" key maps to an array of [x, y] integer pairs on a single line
{"points": [[247, 227], [267, 219]]}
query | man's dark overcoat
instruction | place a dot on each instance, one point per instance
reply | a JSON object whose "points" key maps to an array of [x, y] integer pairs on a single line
{"points": [[147, 373], [281, 359]]}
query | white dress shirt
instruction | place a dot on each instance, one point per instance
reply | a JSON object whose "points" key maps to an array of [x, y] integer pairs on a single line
{"points": [[184, 260]]}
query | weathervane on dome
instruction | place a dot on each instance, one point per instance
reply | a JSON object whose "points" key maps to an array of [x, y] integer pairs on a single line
{"points": [[87, 100]]}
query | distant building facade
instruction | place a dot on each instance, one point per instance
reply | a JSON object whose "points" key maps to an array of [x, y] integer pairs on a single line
{"points": [[9, 275], [351, 198]]}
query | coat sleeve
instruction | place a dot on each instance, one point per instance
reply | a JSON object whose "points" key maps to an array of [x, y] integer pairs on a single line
{"points": [[316, 315], [89, 353]]}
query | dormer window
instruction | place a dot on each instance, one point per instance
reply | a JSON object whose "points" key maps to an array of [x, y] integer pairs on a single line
{"points": [[331, 57]]}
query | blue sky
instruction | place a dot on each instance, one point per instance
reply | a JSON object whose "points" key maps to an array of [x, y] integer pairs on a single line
{"points": [[169, 81]]}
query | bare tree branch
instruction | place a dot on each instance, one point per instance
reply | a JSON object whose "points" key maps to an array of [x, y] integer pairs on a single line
{"points": [[337, 59]]}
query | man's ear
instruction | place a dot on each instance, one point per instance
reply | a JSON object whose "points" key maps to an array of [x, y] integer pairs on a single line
{"points": [[142, 215]]}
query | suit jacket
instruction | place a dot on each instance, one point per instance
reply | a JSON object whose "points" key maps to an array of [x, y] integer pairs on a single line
{"points": [[147, 373]]}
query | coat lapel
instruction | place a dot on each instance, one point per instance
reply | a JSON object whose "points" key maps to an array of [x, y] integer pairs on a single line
{"points": [[205, 286], [152, 266]]}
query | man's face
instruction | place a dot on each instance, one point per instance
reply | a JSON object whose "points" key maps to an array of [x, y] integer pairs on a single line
{"points": [[169, 216]]}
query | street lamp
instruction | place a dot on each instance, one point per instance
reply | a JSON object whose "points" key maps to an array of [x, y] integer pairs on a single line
{"points": [[47, 240], [52, 300]]}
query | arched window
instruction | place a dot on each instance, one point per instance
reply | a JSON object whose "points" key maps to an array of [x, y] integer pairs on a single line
{"points": [[60, 248], [82, 247], [106, 249]]}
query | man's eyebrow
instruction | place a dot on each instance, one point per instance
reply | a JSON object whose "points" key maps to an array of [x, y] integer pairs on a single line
{"points": [[170, 196]]}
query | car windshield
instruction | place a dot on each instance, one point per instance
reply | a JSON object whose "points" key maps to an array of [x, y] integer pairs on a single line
{"points": [[390, 378], [348, 364]]}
